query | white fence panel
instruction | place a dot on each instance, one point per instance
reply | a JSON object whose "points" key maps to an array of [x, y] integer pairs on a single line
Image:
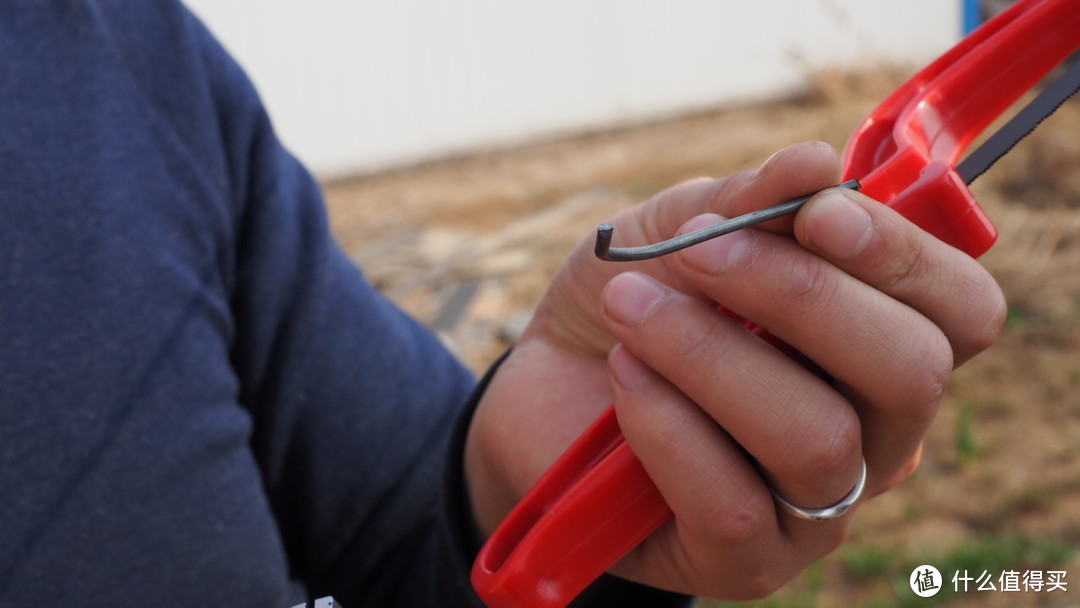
{"points": [[358, 85]]}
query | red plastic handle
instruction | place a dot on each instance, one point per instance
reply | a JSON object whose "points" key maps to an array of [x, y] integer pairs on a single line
{"points": [[591, 508], [903, 153], [597, 502]]}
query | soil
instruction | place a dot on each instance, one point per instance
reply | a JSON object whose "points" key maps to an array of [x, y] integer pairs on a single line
{"points": [[467, 245]]}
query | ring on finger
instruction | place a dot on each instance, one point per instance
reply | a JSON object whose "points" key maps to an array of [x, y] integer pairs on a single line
{"points": [[826, 513]]}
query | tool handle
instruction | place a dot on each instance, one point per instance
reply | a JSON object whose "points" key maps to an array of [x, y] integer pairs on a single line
{"points": [[906, 148], [593, 506], [939, 202]]}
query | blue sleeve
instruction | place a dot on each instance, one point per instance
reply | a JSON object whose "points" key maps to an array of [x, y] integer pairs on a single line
{"points": [[202, 402], [201, 399]]}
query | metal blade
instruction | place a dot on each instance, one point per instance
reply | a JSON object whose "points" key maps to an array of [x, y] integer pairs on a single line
{"points": [[1025, 121]]}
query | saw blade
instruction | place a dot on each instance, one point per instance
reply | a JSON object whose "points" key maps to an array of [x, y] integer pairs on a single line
{"points": [[1019, 126]]}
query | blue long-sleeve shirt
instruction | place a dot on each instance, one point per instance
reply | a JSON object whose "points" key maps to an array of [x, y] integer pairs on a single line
{"points": [[202, 402]]}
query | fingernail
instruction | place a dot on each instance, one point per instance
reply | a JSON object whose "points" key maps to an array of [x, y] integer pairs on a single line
{"points": [[838, 226], [628, 370], [631, 297], [717, 254]]}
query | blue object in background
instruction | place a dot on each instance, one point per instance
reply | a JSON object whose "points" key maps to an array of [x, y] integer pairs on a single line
{"points": [[972, 15]]}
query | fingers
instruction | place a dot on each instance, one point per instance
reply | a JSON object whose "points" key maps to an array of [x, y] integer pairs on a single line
{"points": [[803, 434], [791, 172], [727, 521], [883, 355], [697, 466], [719, 417], [885, 309], [874, 243], [794, 171]]}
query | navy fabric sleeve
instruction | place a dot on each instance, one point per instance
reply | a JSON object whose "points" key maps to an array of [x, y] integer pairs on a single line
{"points": [[125, 472], [202, 402]]}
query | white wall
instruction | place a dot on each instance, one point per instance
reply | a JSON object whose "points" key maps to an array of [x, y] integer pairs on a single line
{"points": [[357, 85]]}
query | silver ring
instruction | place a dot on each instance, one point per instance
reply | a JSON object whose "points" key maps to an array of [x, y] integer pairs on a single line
{"points": [[826, 513]]}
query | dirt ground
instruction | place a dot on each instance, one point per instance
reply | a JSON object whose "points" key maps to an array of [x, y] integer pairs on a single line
{"points": [[467, 245]]}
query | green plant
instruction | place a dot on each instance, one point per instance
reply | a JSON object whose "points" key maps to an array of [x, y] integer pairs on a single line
{"points": [[966, 447], [870, 562]]}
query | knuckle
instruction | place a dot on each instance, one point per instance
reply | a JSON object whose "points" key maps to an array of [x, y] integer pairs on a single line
{"points": [[979, 313], [907, 267], [724, 191], [836, 449], [996, 310], [743, 526], [930, 378], [807, 286], [701, 347], [820, 450]]}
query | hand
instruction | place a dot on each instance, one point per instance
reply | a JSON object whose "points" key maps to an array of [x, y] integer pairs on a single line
{"points": [[716, 415]]}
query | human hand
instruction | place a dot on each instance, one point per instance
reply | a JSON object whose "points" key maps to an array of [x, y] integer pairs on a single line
{"points": [[716, 415]]}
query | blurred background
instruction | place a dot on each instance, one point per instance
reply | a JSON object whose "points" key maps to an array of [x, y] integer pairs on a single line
{"points": [[359, 86], [466, 147]]}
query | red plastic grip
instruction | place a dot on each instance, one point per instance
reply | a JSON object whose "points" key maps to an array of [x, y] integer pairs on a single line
{"points": [[553, 544], [597, 502], [903, 153]]}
